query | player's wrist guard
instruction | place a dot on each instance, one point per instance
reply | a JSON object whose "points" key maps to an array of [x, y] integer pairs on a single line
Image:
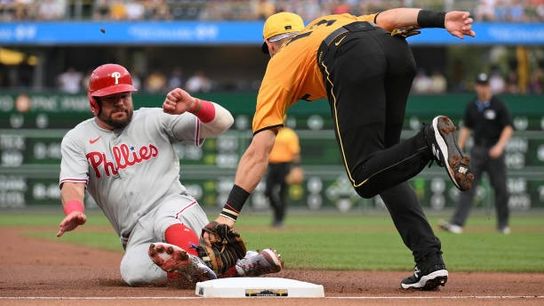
{"points": [[73, 205], [236, 200], [431, 19], [203, 110]]}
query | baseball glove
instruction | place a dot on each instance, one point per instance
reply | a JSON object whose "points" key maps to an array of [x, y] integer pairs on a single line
{"points": [[223, 249]]}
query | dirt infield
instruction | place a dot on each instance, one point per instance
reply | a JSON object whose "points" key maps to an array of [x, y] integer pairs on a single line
{"points": [[36, 272]]}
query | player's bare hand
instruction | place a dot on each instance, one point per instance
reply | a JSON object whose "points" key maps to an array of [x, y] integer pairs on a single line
{"points": [[495, 152], [178, 101], [223, 220], [459, 24], [71, 221]]}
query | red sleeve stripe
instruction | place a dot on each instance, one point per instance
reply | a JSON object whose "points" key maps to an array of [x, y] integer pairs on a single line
{"points": [[74, 180], [198, 138]]}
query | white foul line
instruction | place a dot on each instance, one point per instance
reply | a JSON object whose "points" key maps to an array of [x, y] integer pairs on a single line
{"points": [[453, 297], [332, 297]]}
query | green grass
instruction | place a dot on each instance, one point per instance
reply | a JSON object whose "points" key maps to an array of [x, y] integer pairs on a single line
{"points": [[353, 241]]}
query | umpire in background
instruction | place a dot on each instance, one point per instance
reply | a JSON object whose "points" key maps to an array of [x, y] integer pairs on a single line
{"points": [[491, 122]]}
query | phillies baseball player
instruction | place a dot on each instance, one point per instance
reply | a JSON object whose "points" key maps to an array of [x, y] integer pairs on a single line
{"points": [[126, 161]]}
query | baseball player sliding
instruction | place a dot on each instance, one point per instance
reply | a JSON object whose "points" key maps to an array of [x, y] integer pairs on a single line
{"points": [[126, 161]]}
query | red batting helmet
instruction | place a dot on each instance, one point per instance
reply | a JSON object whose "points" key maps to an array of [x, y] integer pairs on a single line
{"points": [[106, 80]]}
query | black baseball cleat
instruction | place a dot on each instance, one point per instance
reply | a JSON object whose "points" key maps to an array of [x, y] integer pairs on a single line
{"points": [[426, 279], [440, 136]]}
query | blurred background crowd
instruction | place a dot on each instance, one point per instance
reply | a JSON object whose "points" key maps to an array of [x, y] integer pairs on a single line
{"points": [[487, 10], [513, 69]]}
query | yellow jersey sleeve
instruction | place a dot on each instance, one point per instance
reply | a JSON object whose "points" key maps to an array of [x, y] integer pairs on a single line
{"points": [[293, 74]]}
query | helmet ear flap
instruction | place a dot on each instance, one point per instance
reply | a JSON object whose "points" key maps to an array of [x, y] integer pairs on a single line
{"points": [[94, 105]]}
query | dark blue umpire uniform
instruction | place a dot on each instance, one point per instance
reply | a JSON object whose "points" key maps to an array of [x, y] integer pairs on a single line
{"points": [[491, 123]]}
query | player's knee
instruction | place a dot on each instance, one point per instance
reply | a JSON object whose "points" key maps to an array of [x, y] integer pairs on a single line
{"points": [[366, 191], [134, 276], [129, 275]]}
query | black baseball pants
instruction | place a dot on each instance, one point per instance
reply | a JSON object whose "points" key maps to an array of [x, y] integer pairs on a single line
{"points": [[276, 190], [368, 75], [480, 162]]}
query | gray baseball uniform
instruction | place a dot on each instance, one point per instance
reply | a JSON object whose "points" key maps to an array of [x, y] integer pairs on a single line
{"points": [[133, 175]]}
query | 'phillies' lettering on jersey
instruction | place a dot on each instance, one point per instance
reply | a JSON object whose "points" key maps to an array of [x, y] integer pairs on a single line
{"points": [[123, 158]]}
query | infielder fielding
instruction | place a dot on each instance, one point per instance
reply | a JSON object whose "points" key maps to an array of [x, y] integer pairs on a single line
{"points": [[126, 161], [365, 68]]}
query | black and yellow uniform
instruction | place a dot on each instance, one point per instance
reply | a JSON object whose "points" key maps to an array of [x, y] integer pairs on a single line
{"points": [[286, 150], [293, 74], [366, 73]]}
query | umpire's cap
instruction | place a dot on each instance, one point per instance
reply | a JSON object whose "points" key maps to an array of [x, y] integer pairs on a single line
{"points": [[482, 79], [279, 24]]}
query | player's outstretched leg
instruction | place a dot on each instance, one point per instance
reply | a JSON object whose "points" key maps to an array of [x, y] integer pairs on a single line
{"points": [[441, 138], [172, 258], [255, 264]]}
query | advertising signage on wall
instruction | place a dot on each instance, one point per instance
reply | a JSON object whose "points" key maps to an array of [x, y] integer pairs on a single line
{"points": [[32, 126], [224, 33]]}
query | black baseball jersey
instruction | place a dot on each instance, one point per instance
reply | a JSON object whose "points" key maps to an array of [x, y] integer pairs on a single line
{"points": [[487, 121]]}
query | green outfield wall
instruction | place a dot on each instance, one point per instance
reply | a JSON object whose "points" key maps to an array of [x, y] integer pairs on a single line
{"points": [[32, 126]]}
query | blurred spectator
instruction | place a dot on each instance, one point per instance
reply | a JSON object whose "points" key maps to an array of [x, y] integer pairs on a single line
{"points": [[341, 8], [51, 9], [512, 83], [199, 82], [85, 79], [264, 9], [422, 83], [118, 10], [516, 12], [539, 11], [176, 79], [502, 11], [70, 81], [311, 10], [7, 9], [536, 82], [101, 9], [438, 82], [155, 82], [24, 9], [136, 80], [23, 103], [485, 10], [495, 10], [157, 9], [135, 10], [496, 82]]}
